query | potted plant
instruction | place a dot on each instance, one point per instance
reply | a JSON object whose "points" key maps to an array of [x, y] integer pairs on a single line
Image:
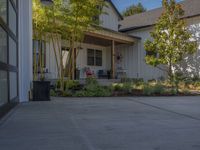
{"points": [[41, 87]]}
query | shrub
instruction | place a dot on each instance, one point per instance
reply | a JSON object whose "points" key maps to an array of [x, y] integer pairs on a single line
{"points": [[70, 84], [58, 84], [53, 93], [67, 93], [186, 91], [148, 90], [127, 87], [93, 89], [91, 80], [173, 91], [117, 87], [151, 90], [158, 89]]}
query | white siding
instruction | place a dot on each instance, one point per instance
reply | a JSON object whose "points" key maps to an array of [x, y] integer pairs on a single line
{"points": [[82, 58], [110, 20], [51, 59], [129, 61], [145, 71], [191, 64]]}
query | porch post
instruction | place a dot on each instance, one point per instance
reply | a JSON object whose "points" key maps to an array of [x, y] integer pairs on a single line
{"points": [[73, 65], [113, 59]]}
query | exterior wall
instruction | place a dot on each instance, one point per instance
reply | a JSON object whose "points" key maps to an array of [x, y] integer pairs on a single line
{"points": [[82, 59], [129, 61], [51, 65], [25, 49], [109, 20], [145, 71], [191, 64]]}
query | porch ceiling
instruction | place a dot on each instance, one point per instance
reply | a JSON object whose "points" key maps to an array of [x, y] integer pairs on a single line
{"points": [[104, 37]]}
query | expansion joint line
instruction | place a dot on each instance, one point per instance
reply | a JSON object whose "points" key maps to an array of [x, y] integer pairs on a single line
{"points": [[162, 109]]}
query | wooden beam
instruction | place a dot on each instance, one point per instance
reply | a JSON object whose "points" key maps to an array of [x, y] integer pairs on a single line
{"points": [[123, 39], [113, 59]]}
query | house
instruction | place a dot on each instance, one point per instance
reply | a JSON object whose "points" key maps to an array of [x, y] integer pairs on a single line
{"points": [[119, 46], [144, 25], [15, 52], [99, 50]]}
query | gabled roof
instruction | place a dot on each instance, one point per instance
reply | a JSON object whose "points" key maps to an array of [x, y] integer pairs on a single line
{"points": [[115, 8], [149, 18]]}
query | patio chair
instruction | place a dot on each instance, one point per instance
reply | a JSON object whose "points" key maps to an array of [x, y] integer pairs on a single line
{"points": [[89, 73]]}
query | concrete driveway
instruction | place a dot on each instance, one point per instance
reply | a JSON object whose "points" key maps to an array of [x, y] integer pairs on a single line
{"points": [[132, 123]]}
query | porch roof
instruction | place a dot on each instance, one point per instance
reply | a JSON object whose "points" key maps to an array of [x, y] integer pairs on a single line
{"points": [[104, 37]]}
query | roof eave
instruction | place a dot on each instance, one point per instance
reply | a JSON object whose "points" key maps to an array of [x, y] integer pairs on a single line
{"points": [[115, 8]]}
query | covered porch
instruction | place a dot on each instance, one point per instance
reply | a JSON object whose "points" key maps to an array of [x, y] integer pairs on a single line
{"points": [[102, 53]]}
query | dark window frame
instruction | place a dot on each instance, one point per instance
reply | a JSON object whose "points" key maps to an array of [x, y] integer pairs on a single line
{"points": [[95, 57], [5, 66]]}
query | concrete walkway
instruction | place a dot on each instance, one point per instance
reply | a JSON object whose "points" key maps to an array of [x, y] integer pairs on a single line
{"points": [[160, 123]]}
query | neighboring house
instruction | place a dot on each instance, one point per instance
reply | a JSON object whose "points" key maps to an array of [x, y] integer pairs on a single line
{"points": [[15, 52], [142, 24]]}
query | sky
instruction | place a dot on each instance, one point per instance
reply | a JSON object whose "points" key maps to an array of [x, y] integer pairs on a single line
{"points": [[149, 4]]}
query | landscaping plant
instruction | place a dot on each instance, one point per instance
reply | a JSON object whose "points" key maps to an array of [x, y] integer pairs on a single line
{"points": [[171, 40], [67, 20]]}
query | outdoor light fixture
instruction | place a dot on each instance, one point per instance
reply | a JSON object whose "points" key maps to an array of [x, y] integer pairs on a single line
{"points": [[47, 2]]}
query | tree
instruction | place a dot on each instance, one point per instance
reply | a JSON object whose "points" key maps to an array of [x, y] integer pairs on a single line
{"points": [[68, 20], [134, 9], [171, 39]]}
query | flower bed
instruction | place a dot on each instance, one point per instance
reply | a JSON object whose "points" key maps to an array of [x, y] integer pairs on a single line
{"points": [[126, 88]]}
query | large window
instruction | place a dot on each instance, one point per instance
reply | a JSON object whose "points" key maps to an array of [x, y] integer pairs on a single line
{"points": [[3, 45], [94, 57], [8, 51], [3, 87], [3, 10]]}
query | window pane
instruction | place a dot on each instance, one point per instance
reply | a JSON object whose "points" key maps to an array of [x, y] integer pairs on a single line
{"points": [[13, 85], [12, 52], [15, 2], [3, 87], [90, 61], [3, 46], [12, 19], [98, 55], [3, 9], [90, 57]]}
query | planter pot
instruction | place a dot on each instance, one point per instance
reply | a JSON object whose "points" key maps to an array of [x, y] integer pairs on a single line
{"points": [[41, 90]]}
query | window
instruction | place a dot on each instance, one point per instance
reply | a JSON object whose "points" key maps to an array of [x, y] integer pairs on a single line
{"points": [[3, 87], [8, 51], [12, 19], [94, 57], [3, 46], [13, 85], [39, 54], [12, 52], [3, 10]]}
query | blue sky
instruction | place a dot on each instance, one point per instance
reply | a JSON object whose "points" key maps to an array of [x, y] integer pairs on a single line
{"points": [[149, 4]]}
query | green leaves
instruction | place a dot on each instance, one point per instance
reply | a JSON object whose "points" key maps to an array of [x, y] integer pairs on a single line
{"points": [[134, 9], [171, 39]]}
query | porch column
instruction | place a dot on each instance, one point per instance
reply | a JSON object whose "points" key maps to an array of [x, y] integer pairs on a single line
{"points": [[113, 59], [73, 64]]}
